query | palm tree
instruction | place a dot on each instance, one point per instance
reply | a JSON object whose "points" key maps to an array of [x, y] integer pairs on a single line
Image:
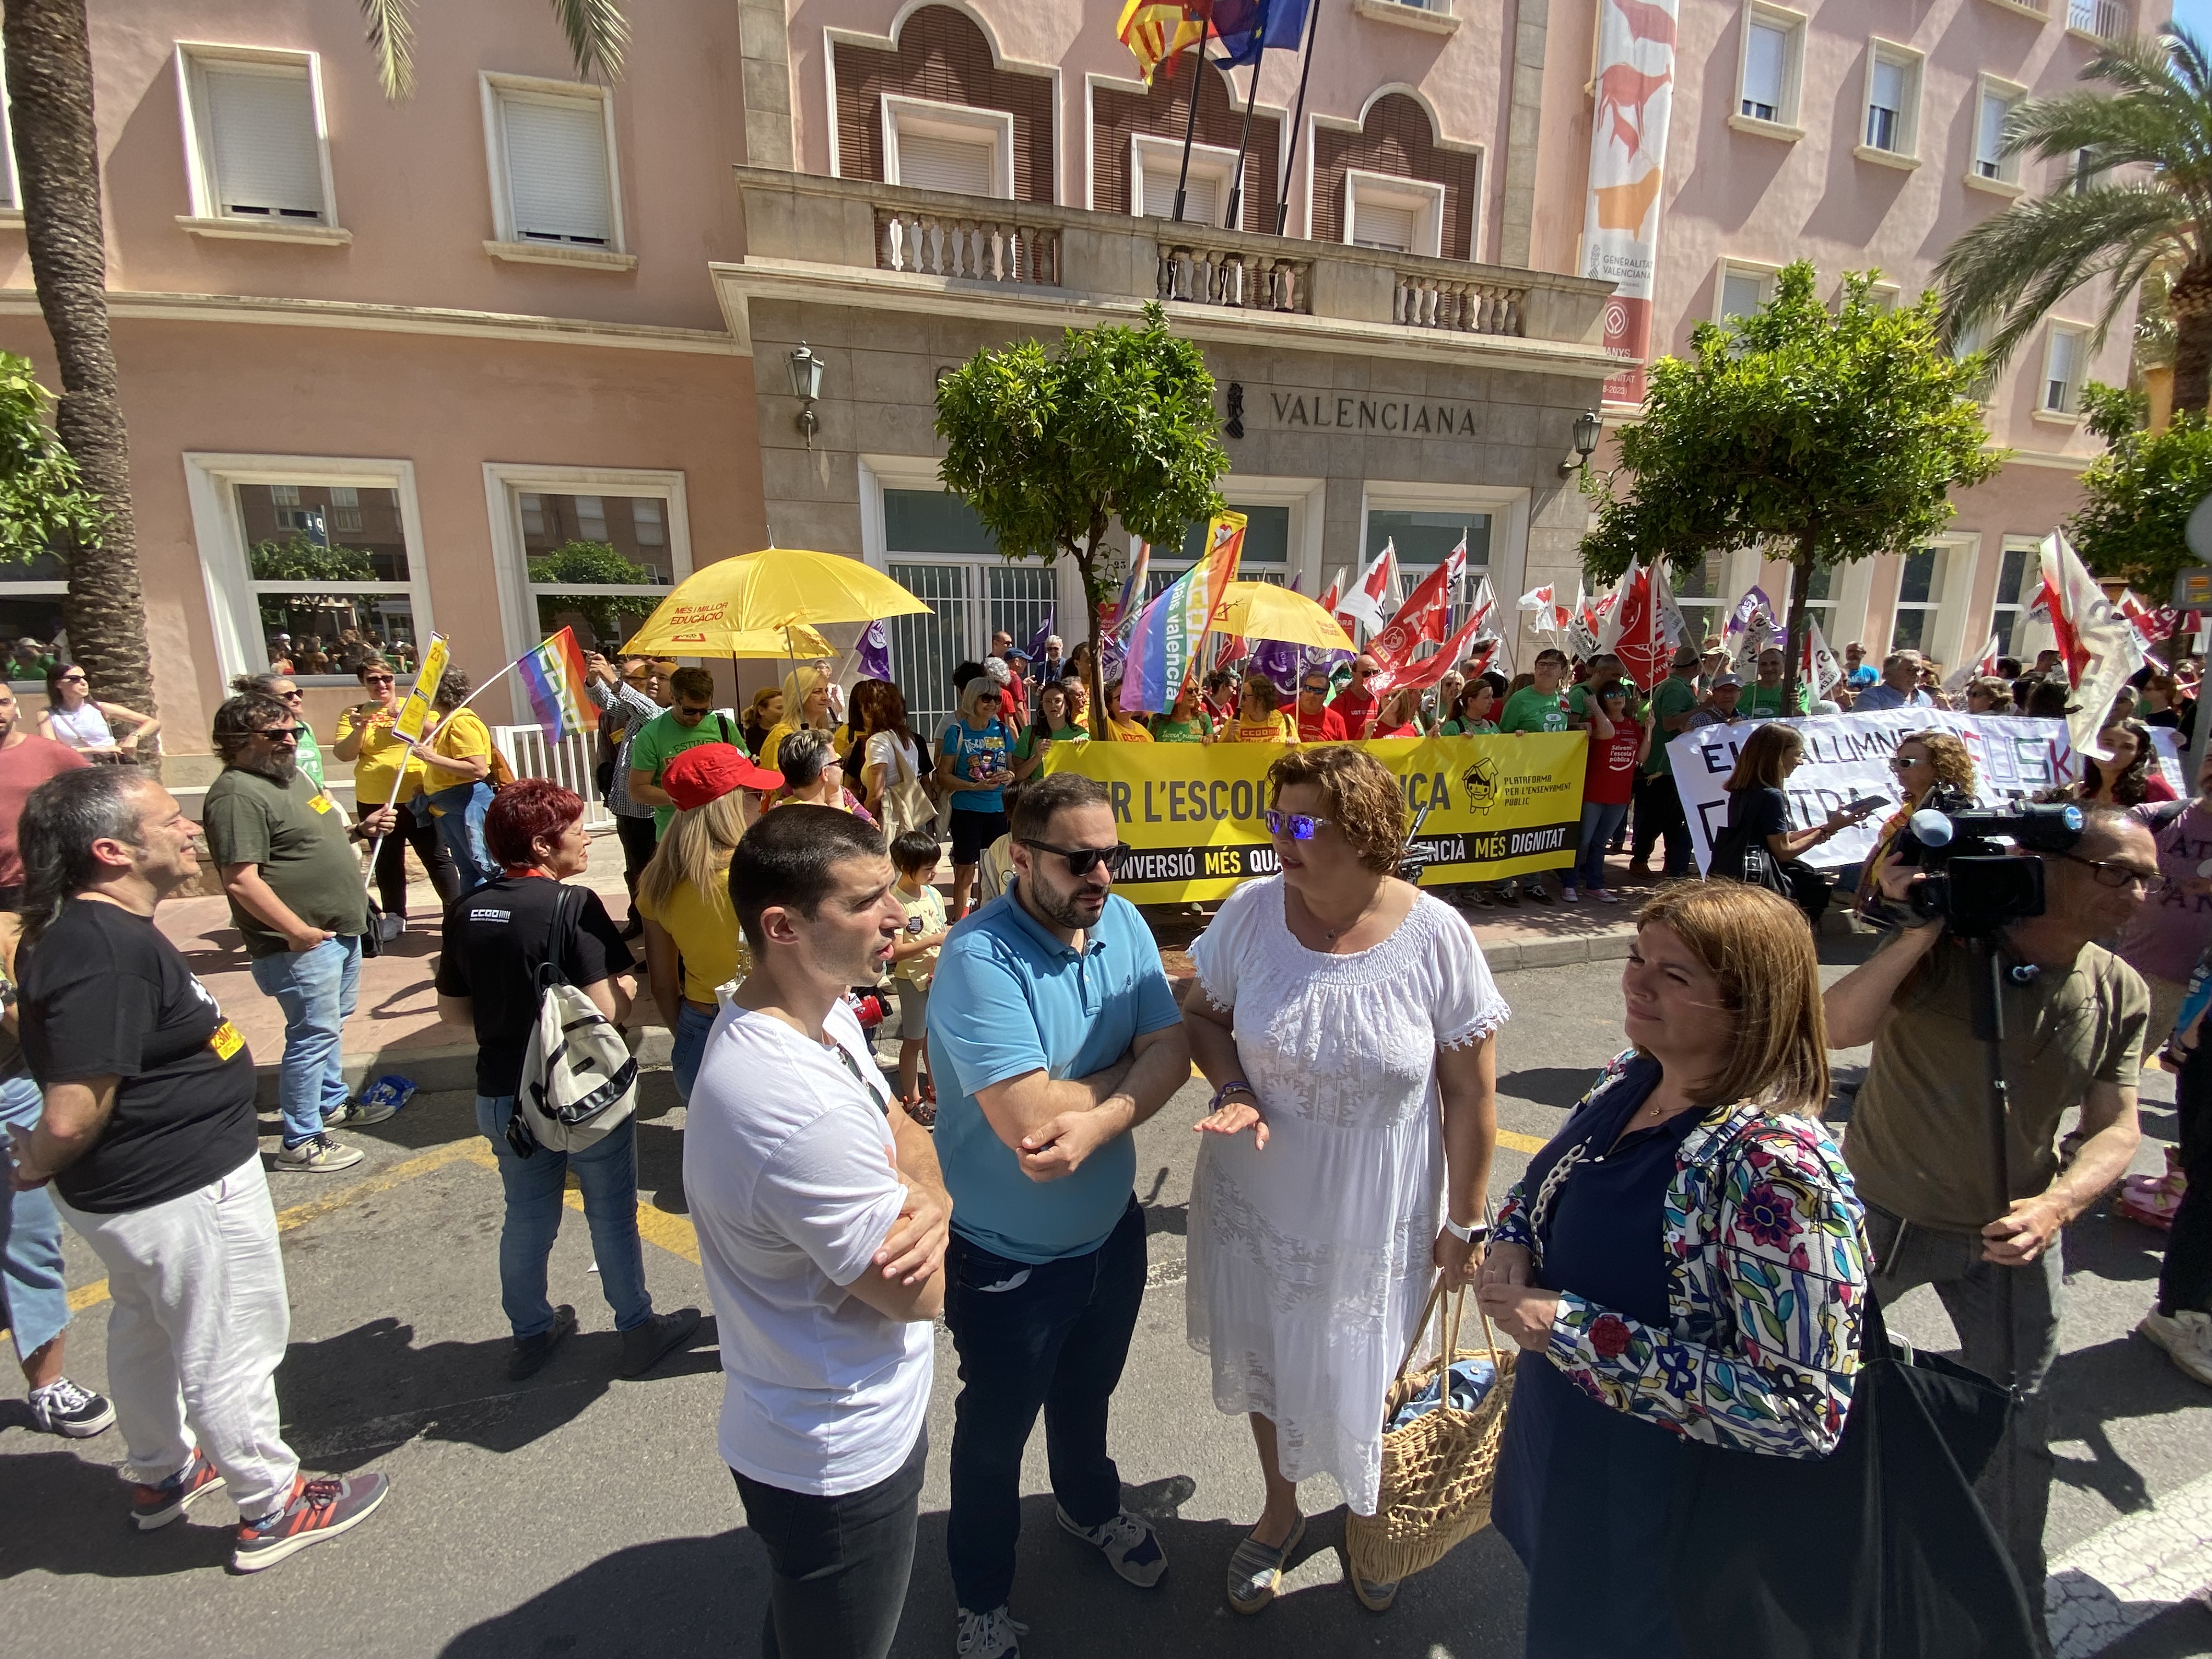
{"points": [[49, 56], [2007, 272]]}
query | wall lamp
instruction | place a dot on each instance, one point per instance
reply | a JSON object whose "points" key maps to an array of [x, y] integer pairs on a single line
{"points": [[806, 383], [1588, 429]]}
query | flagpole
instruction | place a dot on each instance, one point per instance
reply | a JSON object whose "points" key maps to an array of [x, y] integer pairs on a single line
{"points": [[1297, 118], [1236, 220], [392, 805], [1190, 125]]}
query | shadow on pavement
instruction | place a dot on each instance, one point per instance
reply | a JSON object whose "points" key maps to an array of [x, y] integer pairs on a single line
{"points": [[72, 1518], [2093, 1388], [702, 1596], [1548, 1085]]}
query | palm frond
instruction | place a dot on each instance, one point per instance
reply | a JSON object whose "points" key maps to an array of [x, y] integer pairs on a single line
{"points": [[598, 35], [391, 39]]}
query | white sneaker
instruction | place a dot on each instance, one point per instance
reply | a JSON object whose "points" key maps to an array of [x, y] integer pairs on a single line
{"points": [[2186, 1336], [992, 1635], [322, 1156], [391, 927], [1130, 1546]]}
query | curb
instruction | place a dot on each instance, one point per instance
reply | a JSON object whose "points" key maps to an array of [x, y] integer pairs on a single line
{"points": [[433, 1071]]}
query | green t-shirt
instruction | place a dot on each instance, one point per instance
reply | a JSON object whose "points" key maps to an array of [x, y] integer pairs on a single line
{"points": [[663, 738], [311, 755], [1767, 700], [1531, 710], [1671, 696], [1025, 745], [298, 837], [1168, 731], [1468, 729]]}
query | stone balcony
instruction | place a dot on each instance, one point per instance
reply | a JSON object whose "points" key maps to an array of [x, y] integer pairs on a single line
{"points": [[857, 243]]}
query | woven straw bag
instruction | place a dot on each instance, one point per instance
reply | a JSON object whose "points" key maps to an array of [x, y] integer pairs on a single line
{"points": [[1437, 1471]]}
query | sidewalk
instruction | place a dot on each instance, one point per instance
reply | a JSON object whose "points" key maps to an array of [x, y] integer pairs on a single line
{"points": [[396, 1028]]}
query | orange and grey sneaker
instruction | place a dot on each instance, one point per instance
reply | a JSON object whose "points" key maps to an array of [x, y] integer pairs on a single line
{"points": [[156, 1506], [317, 1509]]}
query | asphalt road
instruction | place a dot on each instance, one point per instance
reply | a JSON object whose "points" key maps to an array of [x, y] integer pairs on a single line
{"points": [[580, 1514]]}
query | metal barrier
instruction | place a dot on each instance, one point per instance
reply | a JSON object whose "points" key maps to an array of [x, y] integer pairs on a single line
{"points": [[568, 764]]}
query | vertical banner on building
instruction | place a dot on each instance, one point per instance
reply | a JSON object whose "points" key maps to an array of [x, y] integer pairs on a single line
{"points": [[1635, 90]]}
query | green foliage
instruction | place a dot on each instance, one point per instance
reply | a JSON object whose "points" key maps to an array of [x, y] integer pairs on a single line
{"points": [[2137, 499], [302, 559], [593, 564], [43, 502], [597, 32], [2113, 411]]}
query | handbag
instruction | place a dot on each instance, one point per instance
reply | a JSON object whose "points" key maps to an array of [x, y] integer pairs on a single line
{"points": [[1739, 856], [1439, 1468], [906, 804], [1879, 1550]]}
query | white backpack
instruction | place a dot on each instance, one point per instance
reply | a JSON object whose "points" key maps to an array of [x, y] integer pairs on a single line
{"points": [[579, 1076]]}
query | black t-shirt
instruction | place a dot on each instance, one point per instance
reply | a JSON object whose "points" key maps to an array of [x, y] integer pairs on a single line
{"points": [[496, 941], [104, 994], [1763, 813]]}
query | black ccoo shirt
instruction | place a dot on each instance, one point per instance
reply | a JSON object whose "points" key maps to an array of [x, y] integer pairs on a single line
{"points": [[496, 937]]}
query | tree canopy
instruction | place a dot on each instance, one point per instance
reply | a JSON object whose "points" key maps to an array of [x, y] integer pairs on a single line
{"points": [[1824, 435], [43, 502], [2138, 495], [1050, 449], [583, 564], [302, 559]]}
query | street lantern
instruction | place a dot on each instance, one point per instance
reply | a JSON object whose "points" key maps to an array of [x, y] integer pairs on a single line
{"points": [[806, 383]]}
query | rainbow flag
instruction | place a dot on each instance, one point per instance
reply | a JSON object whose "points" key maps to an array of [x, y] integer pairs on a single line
{"points": [[555, 674], [1156, 30], [1166, 643]]}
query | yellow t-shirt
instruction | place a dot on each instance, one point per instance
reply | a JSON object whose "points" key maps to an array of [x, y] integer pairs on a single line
{"points": [[1282, 729], [461, 736], [1126, 730], [705, 929], [381, 761]]}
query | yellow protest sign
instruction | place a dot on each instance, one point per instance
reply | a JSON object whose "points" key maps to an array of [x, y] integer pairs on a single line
{"points": [[415, 712], [1495, 806]]}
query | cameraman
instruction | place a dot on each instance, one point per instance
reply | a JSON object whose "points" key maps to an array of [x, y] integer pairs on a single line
{"points": [[1918, 1146]]}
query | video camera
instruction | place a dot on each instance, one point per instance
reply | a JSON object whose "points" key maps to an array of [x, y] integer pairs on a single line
{"points": [[1973, 885]]}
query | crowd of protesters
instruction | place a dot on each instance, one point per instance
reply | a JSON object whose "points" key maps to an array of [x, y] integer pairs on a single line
{"points": [[780, 857]]}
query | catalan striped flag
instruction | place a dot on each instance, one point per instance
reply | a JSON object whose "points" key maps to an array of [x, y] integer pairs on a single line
{"points": [[1165, 645], [554, 673], [1156, 30]]}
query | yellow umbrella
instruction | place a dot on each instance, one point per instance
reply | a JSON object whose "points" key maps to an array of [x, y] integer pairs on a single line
{"points": [[1266, 611], [659, 638]]}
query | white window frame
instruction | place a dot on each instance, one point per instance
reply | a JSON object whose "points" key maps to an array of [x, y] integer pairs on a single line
{"points": [[2044, 410], [45, 590], [1906, 155], [1148, 151], [210, 488], [504, 243], [1422, 197], [2006, 180], [506, 483], [1765, 274], [8, 216], [1786, 123], [1946, 623], [2036, 634], [207, 217], [959, 122]]}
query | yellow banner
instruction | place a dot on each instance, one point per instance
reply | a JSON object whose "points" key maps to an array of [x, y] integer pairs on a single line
{"points": [[1496, 807], [415, 712]]}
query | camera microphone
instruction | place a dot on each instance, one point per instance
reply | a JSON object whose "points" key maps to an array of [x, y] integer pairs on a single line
{"points": [[1930, 827]]}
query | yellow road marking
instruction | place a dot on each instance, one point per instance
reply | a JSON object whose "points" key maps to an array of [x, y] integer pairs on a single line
{"points": [[672, 1233], [1521, 1143]]}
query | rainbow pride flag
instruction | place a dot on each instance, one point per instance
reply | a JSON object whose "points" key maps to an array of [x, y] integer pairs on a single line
{"points": [[555, 674], [1166, 642]]}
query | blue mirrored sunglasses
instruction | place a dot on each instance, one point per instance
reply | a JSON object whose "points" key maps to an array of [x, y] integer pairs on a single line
{"points": [[1298, 826]]}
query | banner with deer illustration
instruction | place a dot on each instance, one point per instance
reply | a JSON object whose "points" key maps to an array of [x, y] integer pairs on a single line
{"points": [[1635, 96]]}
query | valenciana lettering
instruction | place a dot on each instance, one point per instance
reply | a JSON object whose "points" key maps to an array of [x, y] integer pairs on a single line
{"points": [[1399, 415]]}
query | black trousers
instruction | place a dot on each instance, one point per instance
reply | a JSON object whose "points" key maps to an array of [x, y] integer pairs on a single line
{"points": [[2186, 1280], [637, 844], [422, 835], [840, 1564], [1659, 815]]}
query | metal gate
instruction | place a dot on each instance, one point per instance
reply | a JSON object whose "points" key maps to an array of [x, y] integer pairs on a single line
{"points": [[971, 601]]}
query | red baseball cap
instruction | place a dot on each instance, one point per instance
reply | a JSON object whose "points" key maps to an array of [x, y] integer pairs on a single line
{"points": [[708, 771]]}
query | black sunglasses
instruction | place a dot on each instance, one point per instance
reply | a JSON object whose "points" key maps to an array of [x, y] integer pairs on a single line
{"points": [[281, 733], [1081, 861]]}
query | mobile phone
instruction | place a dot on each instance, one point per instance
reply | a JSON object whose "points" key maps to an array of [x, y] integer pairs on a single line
{"points": [[1865, 804]]}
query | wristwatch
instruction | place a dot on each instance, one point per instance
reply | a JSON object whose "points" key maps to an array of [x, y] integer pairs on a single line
{"points": [[1476, 1233], [1234, 1086]]}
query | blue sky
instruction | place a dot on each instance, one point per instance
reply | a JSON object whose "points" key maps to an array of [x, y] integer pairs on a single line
{"points": [[2195, 15]]}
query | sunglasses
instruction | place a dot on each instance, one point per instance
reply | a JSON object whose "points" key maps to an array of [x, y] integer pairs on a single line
{"points": [[2119, 875], [1900, 764], [70, 679], [1298, 826], [378, 679], [690, 716], [1368, 673], [1317, 687], [281, 733], [294, 696], [1081, 861]]}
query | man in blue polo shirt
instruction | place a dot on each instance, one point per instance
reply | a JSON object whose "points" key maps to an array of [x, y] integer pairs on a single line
{"points": [[1053, 1030]]}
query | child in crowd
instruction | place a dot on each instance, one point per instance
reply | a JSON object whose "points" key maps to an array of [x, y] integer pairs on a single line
{"points": [[913, 959]]}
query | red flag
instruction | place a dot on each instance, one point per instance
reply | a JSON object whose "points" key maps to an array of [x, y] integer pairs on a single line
{"points": [[1430, 669], [1421, 619]]}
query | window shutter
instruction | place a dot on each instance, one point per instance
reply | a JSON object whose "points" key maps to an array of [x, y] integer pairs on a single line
{"points": [[261, 149], [1380, 224], [1763, 55], [556, 172], [1988, 143], [930, 161], [1201, 202], [1741, 293]]}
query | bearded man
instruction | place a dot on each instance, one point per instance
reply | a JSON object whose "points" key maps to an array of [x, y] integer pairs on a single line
{"points": [[284, 852]]}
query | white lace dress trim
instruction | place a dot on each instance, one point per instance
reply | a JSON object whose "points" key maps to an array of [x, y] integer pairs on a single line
{"points": [[1309, 1261]]}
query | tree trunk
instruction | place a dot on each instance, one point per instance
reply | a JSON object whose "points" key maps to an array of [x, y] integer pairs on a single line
{"points": [[58, 156], [1793, 643], [1093, 674], [2190, 304]]}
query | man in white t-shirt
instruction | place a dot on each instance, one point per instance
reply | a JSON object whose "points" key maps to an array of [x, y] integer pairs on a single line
{"points": [[821, 1221]]}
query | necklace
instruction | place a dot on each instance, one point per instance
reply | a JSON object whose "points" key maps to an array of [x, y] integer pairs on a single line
{"points": [[1333, 933]]}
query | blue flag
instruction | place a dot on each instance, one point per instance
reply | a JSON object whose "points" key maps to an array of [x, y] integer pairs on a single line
{"points": [[1245, 28]]}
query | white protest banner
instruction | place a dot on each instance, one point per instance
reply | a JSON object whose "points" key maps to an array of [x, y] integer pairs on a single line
{"points": [[1847, 758]]}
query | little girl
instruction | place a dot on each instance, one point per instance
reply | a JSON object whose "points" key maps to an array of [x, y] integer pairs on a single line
{"points": [[913, 960]]}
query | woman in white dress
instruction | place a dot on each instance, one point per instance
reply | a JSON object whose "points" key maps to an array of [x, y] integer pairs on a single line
{"points": [[1343, 1019]]}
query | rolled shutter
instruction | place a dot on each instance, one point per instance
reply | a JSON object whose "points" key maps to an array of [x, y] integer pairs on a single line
{"points": [[1378, 224], [261, 148], [556, 172], [1201, 204], [930, 161]]}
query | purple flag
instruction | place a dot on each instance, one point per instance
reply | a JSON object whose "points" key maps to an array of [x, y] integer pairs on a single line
{"points": [[1043, 633], [875, 652]]}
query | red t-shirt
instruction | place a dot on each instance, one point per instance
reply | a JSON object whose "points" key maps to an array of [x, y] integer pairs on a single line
{"points": [[1610, 780], [23, 767], [1327, 727], [1408, 730], [1014, 703], [1355, 708]]}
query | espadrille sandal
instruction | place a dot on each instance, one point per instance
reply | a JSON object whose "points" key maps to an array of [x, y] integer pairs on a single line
{"points": [[1255, 1572]]}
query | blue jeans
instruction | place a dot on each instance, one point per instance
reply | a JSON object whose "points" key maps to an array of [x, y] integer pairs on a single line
{"points": [[1055, 1341], [32, 1294], [689, 1048], [460, 818], [608, 1173], [1600, 820], [316, 989]]}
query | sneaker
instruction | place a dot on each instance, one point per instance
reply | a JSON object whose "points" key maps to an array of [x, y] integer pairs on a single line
{"points": [[62, 1408], [391, 927], [528, 1356], [1373, 1595], [1127, 1542], [322, 1156], [1513, 899], [1606, 896], [1536, 892], [992, 1635], [646, 1346], [2186, 1336], [1640, 866], [320, 1509], [359, 1113], [1572, 896], [1255, 1571], [1481, 900], [156, 1506]]}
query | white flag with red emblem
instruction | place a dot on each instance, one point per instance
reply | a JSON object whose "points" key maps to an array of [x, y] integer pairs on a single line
{"points": [[1328, 601], [1375, 595], [2101, 646], [1423, 617], [1817, 664], [1973, 669]]}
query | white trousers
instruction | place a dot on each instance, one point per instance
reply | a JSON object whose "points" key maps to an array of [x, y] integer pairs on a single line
{"points": [[199, 1325]]}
